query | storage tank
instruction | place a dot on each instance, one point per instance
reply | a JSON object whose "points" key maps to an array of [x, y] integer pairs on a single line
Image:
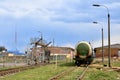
{"points": [[83, 49]]}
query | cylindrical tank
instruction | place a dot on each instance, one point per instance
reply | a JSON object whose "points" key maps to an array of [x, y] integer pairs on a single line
{"points": [[83, 49]]}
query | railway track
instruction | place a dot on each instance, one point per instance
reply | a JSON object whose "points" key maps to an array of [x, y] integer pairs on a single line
{"points": [[116, 69], [19, 69], [70, 70], [56, 77], [80, 77]]}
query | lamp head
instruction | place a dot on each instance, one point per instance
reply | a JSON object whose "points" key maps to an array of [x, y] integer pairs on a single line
{"points": [[97, 5], [95, 22]]}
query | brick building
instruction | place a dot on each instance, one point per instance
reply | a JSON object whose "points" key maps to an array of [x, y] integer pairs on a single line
{"points": [[115, 51], [45, 54], [62, 51]]}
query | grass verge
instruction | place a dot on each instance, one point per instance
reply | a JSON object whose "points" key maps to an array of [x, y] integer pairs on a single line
{"points": [[41, 73]]}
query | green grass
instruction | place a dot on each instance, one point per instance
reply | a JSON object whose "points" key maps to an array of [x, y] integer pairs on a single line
{"points": [[5, 67], [73, 75], [113, 63], [116, 63], [46, 72], [41, 73], [95, 74]]}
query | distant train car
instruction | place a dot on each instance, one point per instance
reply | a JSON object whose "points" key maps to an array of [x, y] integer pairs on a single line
{"points": [[83, 53]]}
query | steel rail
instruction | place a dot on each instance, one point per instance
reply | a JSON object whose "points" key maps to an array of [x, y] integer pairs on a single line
{"points": [[58, 76], [116, 69], [15, 70], [83, 73]]}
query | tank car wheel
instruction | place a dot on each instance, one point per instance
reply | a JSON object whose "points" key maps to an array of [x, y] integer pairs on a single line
{"points": [[77, 63]]}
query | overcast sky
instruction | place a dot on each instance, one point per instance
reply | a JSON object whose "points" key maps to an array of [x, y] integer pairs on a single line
{"points": [[67, 21]]}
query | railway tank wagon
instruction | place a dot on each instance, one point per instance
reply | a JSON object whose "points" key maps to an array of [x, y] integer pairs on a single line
{"points": [[83, 53]]}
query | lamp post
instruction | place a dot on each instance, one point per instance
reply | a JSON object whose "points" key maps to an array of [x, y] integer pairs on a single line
{"points": [[53, 48], [109, 52], [102, 41]]}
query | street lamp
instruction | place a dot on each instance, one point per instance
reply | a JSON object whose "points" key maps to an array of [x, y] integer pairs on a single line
{"points": [[102, 41], [109, 52]]}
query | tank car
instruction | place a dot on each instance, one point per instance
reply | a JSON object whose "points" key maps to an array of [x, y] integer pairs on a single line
{"points": [[83, 53]]}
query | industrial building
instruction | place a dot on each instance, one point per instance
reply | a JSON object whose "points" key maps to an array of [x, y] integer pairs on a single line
{"points": [[47, 54], [52, 51], [115, 51], [66, 52]]}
